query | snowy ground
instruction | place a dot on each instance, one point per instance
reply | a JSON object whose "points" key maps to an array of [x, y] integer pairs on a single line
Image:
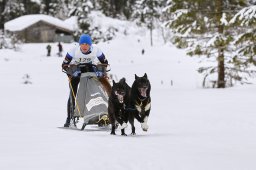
{"points": [[190, 128]]}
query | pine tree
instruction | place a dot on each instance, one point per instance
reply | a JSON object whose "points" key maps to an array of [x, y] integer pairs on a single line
{"points": [[128, 8], [13, 9], [2, 7], [59, 9], [31, 7], [53, 7], [202, 27], [117, 8], [245, 41], [45, 7], [107, 7], [81, 9], [148, 12], [252, 2]]}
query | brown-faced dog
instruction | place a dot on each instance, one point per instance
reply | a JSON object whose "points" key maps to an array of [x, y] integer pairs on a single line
{"points": [[140, 102], [117, 101]]}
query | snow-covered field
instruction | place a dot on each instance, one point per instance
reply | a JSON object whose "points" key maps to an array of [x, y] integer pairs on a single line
{"points": [[190, 128]]}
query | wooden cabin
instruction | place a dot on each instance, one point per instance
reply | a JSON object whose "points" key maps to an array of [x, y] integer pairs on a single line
{"points": [[39, 29]]}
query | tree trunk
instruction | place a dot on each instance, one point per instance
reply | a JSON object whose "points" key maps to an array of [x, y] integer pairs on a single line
{"points": [[2, 7], [163, 34], [47, 6], [221, 70], [221, 66], [151, 22], [151, 36]]}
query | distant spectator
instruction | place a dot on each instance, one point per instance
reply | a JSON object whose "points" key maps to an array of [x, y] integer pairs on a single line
{"points": [[60, 49], [142, 51], [48, 47]]}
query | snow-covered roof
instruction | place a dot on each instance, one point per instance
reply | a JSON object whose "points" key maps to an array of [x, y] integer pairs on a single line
{"points": [[25, 21]]}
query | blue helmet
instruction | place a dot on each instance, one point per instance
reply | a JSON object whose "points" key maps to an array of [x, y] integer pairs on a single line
{"points": [[85, 39]]}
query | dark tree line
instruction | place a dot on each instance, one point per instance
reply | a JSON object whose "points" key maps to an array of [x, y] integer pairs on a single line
{"points": [[122, 9]]}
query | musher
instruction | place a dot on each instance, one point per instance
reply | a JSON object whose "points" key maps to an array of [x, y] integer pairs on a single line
{"points": [[84, 52]]}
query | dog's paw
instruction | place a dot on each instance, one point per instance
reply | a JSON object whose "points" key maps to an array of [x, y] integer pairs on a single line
{"points": [[112, 133], [144, 126], [133, 134], [124, 125]]}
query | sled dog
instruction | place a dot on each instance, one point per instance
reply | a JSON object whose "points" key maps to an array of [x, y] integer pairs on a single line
{"points": [[117, 101], [140, 101]]}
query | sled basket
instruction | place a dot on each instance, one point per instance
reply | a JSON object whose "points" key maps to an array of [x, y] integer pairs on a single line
{"points": [[92, 99]]}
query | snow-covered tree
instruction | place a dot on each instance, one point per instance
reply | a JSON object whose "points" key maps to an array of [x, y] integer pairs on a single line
{"points": [[148, 12], [245, 41], [59, 9], [252, 2], [106, 6], [117, 8], [45, 7], [2, 5], [13, 9], [31, 7], [81, 9], [202, 27], [128, 8], [245, 21]]}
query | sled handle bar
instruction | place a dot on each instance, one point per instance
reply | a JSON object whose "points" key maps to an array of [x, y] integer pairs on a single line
{"points": [[81, 65], [88, 64], [93, 65]]}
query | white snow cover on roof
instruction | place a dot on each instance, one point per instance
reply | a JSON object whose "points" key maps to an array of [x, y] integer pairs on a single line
{"points": [[25, 21], [36, 1]]}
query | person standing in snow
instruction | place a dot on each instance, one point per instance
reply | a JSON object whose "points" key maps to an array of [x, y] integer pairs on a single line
{"points": [[48, 47], [84, 52], [60, 49]]}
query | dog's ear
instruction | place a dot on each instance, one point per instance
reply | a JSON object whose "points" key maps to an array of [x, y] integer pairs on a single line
{"points": [[122, 80], [136, 77], [145, 75], [114, 82]]}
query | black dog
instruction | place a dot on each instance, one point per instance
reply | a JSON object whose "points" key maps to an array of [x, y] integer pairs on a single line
{"points": [[118, 98], [140, 102]]}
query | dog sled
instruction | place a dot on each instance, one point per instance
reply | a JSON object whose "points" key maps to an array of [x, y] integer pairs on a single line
{"points": [[90, 104]]}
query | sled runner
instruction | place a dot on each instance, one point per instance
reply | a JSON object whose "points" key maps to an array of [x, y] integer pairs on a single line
{"points": [[91, 101]]}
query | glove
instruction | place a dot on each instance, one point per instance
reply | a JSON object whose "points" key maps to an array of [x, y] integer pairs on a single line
{"points": [[105, 61], [76, 73], [64, 66], [65, 63], [99, 74]]}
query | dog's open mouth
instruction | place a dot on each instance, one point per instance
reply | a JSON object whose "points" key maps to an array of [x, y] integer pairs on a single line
{"points": [[120, 97], [143, 91]]}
